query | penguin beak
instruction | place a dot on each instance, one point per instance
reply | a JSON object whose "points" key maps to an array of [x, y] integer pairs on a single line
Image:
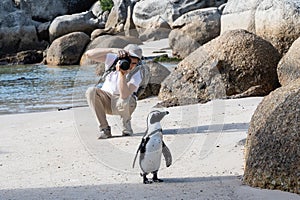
{"points": [[165, 113]]}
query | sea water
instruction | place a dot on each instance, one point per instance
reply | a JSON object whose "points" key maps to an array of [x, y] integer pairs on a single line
{"points": [[32, 88], [36, 88]]}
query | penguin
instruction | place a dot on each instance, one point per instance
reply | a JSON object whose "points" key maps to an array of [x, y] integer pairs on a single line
{"points": [[152, 147]]}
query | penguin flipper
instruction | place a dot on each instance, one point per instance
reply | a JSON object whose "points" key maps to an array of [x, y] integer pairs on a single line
{"points": [[137, 152], [141, 149], [135, 158], [167, 154]]}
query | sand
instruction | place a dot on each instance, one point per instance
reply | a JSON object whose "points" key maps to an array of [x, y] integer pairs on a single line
{"points": [[55, 155]]}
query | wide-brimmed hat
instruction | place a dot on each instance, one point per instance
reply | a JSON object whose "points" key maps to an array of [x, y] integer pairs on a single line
{"points": [[134, 51]]}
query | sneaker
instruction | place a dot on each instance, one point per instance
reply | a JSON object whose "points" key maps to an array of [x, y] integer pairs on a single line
{"points": [[127, 132], [104, 133]]}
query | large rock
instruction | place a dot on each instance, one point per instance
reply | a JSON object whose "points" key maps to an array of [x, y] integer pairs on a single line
{"points": [[118, 13], [272, 147], [23, 58], [156, 30], [47, 10], [67, 49], [273, 20], [129, 26], [17, 30], [96, 9], [278, 22], [152, 15], [193, 29], [239, 14], [289, 66], [80, 22], [158, 74], [43, 31], [235, 64], [182, 44]]}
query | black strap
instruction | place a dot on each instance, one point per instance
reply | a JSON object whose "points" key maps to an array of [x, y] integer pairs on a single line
{"points": [[155, 131], [108, 71]]}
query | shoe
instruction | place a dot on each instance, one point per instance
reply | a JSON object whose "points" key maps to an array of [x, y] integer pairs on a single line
{"points": [[104, 133], [127, 133], [127, 130]]}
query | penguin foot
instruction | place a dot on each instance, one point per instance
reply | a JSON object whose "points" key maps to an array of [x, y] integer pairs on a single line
{"points": [[157, 180], [147, 181]]}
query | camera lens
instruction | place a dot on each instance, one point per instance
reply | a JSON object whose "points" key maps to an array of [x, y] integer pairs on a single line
{"points": [[125, 63]]}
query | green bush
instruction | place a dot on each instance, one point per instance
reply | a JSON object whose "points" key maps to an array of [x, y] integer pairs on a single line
{"points": [[106, 5]]}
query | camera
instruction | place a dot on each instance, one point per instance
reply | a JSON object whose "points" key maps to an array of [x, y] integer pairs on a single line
{"points": [[125, 63]]}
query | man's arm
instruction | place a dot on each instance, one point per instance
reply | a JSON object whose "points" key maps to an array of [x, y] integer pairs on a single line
{"points": [[125, 89], [99, 54]]}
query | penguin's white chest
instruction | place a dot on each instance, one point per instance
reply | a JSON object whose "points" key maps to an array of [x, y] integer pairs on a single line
{"points": [[152, 156]]}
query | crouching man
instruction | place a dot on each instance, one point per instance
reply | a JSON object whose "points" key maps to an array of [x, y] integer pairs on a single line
{"points": [[117, 94]]}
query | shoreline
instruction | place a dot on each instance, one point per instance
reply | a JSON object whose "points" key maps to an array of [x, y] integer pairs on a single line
{"points": [[55, 155]]}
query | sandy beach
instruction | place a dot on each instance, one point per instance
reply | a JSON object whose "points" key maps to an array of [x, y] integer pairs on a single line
{"points": [[55, 155]]}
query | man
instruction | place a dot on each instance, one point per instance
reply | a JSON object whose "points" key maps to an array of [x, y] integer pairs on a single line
{"points": [[116, 96]]}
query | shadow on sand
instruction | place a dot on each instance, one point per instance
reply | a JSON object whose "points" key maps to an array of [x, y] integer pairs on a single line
{"points": [[200, 188], [171, 188], [233, 127]]}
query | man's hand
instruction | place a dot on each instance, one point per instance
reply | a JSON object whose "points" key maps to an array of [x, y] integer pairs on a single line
{"points": [[122, 53]]}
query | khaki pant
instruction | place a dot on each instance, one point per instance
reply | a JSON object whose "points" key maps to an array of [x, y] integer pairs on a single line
{"points": [[102, 103]]}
